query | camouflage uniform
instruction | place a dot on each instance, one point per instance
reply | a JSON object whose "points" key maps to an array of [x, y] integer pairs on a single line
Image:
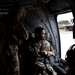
{"points": [[35, 50], [9, 58], [11, 31]]}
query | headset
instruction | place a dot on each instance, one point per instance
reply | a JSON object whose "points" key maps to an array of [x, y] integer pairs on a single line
{"points": [[70, 56]]}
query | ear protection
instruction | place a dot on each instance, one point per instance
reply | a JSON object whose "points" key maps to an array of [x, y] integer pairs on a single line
{"points": [[70, 56], [70, 48]]}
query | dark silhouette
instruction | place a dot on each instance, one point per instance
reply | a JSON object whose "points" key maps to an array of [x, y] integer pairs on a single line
{"points": [[12, 34], [70, 60]]}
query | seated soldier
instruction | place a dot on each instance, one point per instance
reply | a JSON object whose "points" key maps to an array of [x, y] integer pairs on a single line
{"points": [[41, 50]]}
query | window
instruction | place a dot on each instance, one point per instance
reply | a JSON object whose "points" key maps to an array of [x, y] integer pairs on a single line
{"points": [[65, 23]]}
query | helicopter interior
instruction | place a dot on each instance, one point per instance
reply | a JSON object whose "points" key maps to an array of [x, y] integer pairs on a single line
{"points": [[44, 13]]}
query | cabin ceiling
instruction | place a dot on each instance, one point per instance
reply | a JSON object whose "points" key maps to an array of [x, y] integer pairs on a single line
{"points": [[54, 6]]}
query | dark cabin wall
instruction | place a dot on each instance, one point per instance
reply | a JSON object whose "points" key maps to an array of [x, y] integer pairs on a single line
{"points": [[40, 16]]}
